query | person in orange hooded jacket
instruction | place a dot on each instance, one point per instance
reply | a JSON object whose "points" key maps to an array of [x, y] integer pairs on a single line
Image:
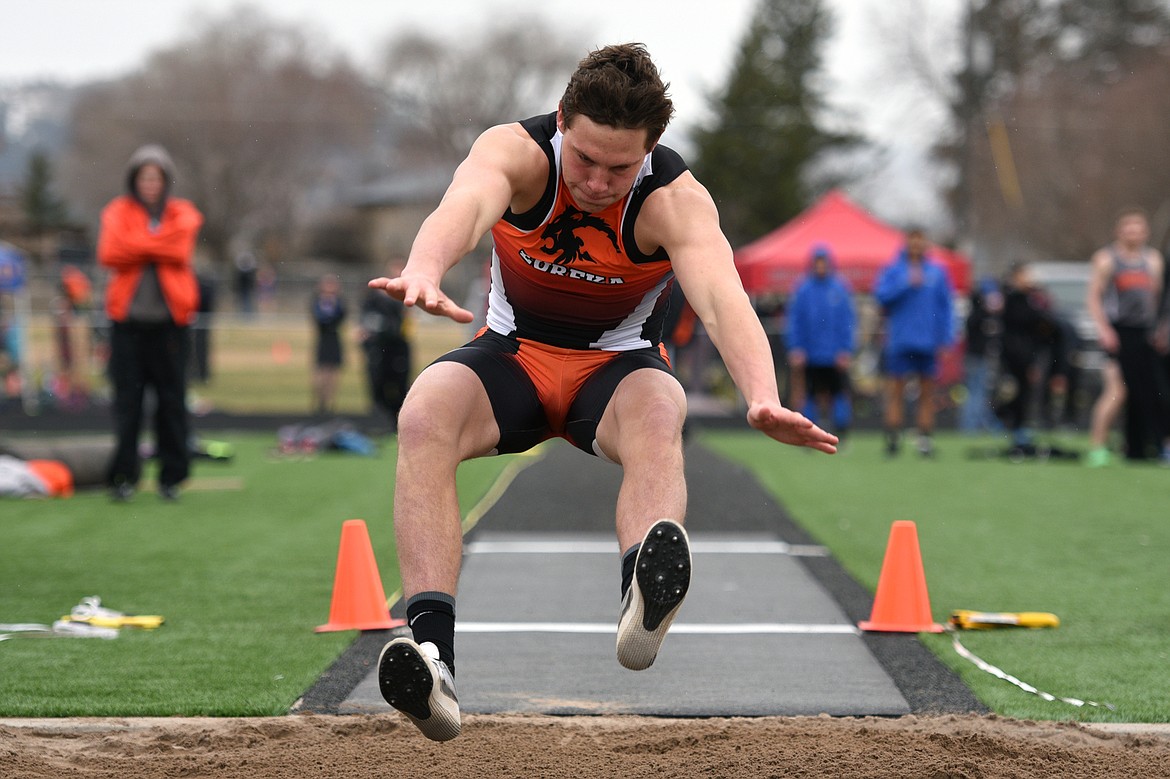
{"points": [[147, 240]]}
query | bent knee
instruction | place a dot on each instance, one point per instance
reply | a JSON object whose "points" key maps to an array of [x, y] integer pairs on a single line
{"points": [[458, 422], [419, 423], [655, 422], [664, 412]]}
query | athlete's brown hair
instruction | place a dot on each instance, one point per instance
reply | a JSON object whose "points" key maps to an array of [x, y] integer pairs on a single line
{"points": [[619, 86]]}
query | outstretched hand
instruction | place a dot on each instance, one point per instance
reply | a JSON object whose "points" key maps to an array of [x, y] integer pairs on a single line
{"points": [[789, 427], [424, 293]]}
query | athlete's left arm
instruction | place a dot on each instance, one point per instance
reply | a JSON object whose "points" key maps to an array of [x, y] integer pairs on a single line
{"points": [[682, 218]]}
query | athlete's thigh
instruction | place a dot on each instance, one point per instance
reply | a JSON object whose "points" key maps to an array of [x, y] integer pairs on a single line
{"points": [[596, 394], [647, 409], [448, 400], [503, 393]]}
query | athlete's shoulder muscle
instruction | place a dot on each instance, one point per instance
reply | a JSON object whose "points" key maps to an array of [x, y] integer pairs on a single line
{"points": [[678, 214]]}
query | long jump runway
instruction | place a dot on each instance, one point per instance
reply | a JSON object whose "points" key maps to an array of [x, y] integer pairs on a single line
{"points": [[768, 626]]}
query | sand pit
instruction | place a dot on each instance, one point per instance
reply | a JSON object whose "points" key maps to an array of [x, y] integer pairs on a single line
{"points": [[538, 746]]}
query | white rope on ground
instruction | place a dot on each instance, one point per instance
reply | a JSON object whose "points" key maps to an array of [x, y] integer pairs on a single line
{"points": [[62, 628], [987, 667]]}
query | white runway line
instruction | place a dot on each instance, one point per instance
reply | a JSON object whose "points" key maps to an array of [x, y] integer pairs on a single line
{"points": [[758, 628], [610, 547]]}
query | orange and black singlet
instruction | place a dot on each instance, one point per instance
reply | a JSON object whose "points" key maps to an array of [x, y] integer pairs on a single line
{"points": [[576, 280]]}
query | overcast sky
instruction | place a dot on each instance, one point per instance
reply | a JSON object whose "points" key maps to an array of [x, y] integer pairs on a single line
{"points": [[693, 41]]}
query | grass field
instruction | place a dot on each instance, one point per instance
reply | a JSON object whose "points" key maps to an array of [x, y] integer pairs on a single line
{"points": [[1090, 545], [242, 569]]}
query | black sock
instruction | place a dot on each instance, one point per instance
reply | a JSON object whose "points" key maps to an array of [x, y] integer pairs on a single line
{"points": [[431, 616], [629, 557]]}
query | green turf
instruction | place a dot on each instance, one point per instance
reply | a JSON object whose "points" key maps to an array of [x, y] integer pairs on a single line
{"points": [[242, 577], [1090, 545]]}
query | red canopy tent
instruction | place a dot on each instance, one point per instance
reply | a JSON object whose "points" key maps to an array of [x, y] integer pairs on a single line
{"points": [[860, 242]]}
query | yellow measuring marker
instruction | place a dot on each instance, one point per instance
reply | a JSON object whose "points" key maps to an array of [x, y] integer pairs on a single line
{"points": [[91, 612], [964, 619], [145, 621]]}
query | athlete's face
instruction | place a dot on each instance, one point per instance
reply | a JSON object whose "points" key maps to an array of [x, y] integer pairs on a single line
{"points": [[600, 163]]}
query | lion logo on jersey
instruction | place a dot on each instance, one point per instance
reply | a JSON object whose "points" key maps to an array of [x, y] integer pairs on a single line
{"points": [[563, 241]]}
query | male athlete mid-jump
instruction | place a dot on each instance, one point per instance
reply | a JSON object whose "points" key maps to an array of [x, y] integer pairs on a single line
{"points": [[592, 221]]}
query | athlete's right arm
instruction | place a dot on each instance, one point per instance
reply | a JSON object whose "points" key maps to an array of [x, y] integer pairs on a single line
{"points": [[1094, 300], [497, 170]]}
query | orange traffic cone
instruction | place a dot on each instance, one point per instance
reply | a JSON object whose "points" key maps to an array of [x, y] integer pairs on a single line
{"points": [[902, 604], [359, 602]]}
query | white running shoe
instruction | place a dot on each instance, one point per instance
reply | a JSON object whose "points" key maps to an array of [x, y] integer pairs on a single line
{"points": [[415, 681], [662, 574]]}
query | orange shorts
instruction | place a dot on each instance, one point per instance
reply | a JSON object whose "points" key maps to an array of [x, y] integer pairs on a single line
{"points": [[539, 391]]}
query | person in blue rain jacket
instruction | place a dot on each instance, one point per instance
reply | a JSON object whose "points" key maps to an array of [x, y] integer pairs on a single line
{"points": [[917, 300]]}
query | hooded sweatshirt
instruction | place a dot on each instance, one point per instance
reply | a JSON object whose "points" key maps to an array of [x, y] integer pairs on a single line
{"points": [[149, 250], [821, 320]]}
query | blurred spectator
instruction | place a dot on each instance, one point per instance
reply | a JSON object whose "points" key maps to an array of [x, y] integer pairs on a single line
{"points": [[201, 332], [1106, 409], [980, 357], [770, 309], [384, 335], [266, 288], [1123, 297], [12, 324], [147, 240], [1162, 347], [916, 298], [246, 271], [1028, 325], [328, 311], [821, 331], [68, 307], [1062, 374]]}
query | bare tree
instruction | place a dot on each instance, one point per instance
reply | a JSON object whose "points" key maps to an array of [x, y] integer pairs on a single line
{"points": [[256, 114], [1082, 144], [446, 93], [1015, 72]]}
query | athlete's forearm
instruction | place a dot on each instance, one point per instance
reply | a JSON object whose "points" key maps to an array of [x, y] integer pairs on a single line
{"points": [[445, 238]]}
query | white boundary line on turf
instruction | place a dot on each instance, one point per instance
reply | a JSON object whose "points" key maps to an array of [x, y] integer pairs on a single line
{"points": [[609, 547], [747, 628]]}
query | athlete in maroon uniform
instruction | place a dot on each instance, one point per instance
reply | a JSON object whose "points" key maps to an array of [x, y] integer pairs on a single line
{"points": [[591, 221]]}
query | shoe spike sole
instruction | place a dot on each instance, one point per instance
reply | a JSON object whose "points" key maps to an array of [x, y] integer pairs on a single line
{"points": [[405, 681], [663, 573]]}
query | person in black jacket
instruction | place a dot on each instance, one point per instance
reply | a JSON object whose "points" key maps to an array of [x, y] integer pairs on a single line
{"points": [[1028, 324], [383, 332], [981, 354]]}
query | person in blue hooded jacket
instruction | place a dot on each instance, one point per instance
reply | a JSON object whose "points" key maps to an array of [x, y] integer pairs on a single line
{"points": [[821, 328], [916, 297]]}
